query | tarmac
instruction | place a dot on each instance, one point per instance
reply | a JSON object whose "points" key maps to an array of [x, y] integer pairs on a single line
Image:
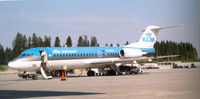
{"points": [[152, 84]]}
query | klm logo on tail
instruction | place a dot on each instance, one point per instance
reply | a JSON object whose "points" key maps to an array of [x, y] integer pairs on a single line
{"points": [[148, 38]]}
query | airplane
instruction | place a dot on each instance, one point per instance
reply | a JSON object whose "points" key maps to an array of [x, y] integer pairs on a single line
{"points": [[61, 58]]}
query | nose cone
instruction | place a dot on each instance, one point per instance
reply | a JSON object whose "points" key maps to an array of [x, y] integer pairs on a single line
{"points": [[12, 65]]}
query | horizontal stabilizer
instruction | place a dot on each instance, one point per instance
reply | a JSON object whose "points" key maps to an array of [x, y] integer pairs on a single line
{"points": [[166, 27]]}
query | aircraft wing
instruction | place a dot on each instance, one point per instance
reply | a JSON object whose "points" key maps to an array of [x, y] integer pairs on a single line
{"points": [[121, 60]]}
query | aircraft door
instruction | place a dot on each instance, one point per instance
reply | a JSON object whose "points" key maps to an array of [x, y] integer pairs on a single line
{"points": [[100, 54]]}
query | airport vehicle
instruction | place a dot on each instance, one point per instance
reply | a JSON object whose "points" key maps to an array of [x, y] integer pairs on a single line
{"points": [[46, 59], [186, 65]]}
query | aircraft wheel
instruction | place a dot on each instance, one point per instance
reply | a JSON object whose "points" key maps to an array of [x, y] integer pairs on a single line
{"points": [[34, 77], [111, 72], [90, 73], [137, 71]]}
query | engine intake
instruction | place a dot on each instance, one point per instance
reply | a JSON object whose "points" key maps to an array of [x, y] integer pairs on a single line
{"points": [[131, 53]]}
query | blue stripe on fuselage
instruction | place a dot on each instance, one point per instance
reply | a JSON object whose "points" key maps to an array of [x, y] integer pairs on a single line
{"points": [[51, 51]]}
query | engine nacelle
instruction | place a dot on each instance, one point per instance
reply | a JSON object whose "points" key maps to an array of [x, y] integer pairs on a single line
{"points": [[131, 53]]}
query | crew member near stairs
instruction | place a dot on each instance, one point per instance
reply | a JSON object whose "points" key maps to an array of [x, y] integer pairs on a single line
{"points": [[43, 57], [44, 63]]}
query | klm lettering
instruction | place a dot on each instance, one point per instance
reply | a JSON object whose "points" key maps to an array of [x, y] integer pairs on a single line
{"points": [[148, 39]]}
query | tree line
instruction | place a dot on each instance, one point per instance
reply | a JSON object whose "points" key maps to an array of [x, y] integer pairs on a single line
{"points": [[186, 50], [21, 43]]}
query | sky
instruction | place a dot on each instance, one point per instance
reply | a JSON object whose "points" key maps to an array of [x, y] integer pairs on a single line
{"points": [[111, 21]]}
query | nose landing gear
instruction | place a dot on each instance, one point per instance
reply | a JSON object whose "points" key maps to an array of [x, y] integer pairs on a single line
{"points": [[27, 75]]}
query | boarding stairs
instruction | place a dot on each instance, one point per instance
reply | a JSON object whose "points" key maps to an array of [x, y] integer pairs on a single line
{"points": [[45, 72], [43, 68]]}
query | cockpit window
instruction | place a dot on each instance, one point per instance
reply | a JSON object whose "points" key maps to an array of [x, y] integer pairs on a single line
{"points": [[21, 55], [24, 55]]}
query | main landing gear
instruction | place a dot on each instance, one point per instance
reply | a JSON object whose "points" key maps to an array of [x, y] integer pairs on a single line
{"points": [[90, 73], [113, 70]]}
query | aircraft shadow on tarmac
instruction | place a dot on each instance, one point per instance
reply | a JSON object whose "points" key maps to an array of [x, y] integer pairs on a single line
{"points": [[13, 94], [72, 76]]}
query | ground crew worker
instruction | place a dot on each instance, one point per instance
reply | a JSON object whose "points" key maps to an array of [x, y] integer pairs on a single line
{"points": [[44, 57]]}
